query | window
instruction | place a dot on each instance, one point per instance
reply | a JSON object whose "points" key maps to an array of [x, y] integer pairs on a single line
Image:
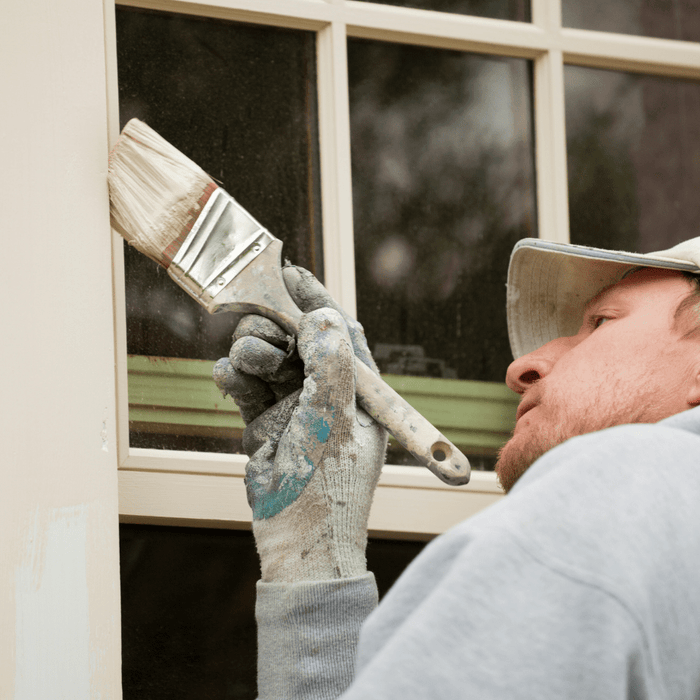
{"points": [[188, 613], [419, 129], [665, 19], [240, 100], [633, 148]]}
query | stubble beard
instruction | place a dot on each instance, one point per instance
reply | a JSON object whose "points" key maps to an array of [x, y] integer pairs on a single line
{"points": [[523, 450], [519, 453], [623, 405]]}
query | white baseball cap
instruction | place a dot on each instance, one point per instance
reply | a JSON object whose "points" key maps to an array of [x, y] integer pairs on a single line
{"points": [[550, 283]]}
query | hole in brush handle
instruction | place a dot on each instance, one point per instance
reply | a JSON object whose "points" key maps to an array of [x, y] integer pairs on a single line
{"points": [[440, 451]]}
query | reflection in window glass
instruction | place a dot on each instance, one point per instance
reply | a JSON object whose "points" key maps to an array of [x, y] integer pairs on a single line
{"points": [[518, 10], [633, 145], [241, 102], [663, 19], [443, 186]]}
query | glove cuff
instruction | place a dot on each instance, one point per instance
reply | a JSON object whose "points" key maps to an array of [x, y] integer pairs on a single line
{"points": [[302, 543]]}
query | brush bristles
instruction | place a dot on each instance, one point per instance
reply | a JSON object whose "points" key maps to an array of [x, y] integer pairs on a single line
{"points": [[156, 192]]}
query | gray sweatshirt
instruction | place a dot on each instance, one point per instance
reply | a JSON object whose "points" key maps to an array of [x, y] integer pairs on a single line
{"points": [[584, 582]]}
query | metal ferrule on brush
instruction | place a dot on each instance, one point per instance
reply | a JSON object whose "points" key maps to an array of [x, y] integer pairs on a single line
{"points": [[223, 240]]}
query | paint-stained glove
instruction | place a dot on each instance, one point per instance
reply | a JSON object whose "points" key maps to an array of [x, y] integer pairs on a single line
{"points": [[315, 457]]}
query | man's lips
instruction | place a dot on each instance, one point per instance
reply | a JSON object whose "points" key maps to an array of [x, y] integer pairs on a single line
{"points": [[524, 407]]}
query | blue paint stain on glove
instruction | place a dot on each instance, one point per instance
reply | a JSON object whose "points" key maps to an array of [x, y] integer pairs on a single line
{"points": [[322, 429]]}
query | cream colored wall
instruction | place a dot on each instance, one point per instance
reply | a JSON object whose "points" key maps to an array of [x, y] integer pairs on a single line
{"points": [[59, 568]]}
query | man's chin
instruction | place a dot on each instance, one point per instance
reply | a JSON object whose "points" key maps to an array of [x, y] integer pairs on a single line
{"points": [[516, 457]]}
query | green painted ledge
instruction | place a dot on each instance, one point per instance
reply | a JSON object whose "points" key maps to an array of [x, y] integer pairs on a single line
{"points": [[178, 396]]}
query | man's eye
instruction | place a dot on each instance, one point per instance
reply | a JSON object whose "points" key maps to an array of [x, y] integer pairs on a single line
{"points": [[599, 321]]}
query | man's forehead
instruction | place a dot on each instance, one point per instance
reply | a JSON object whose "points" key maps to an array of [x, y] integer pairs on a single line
{"points": [[628, 280]]}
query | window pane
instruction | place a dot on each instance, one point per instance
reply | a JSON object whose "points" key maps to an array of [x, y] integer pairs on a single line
{"points": [[633, 145], [240, 101], [518, 10], [188, 609], [443, 187], [663, 19]]}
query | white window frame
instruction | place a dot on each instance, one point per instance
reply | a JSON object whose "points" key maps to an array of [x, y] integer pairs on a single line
{"points": [[207, 489]]}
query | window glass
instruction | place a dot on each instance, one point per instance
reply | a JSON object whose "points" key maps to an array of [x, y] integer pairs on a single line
{"points": [[443, 186], [518, 10], [664, 19], [633, 148], [240, 101]]}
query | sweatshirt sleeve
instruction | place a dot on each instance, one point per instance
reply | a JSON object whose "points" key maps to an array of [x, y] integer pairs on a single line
{"points": [[308, 634]]}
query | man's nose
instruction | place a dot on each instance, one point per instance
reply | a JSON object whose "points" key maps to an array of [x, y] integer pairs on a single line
{"points": [[528, 369]]}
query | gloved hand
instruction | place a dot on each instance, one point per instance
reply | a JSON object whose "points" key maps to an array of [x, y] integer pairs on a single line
{"points": [[315, 457]]}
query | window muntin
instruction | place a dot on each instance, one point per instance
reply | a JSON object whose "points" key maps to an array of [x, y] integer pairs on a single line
{"points": [[518, 10]]}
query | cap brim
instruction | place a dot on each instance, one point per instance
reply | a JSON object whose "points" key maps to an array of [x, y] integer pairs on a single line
{"points": [[550, 283]]}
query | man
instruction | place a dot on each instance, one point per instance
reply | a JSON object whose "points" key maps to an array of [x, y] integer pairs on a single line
{"points": [[582, 583]]}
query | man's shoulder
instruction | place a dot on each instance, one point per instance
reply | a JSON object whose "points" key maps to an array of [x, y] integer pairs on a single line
{"points": [[629, 478], [607, 508], [610, 487]]}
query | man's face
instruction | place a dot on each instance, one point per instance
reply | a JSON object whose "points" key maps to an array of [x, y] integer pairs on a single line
{"points": [[629, 363]]}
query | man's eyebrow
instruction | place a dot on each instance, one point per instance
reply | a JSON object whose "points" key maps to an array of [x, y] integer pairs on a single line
{"points": [[596, 300]]}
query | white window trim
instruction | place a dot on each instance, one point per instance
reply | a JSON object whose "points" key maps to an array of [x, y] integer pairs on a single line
{"points": [[205, 489]]}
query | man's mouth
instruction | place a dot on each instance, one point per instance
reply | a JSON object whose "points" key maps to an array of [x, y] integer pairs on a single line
{"points": [[524, 407]]}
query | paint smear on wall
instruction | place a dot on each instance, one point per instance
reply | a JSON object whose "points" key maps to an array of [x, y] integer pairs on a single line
{"points": [[52, 635]]}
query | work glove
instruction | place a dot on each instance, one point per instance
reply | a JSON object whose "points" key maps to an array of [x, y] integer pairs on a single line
{"points": [[315, 456]]}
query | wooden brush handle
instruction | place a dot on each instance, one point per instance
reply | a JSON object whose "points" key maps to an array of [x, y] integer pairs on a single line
{"points": [[423, 440], [260, 288]]}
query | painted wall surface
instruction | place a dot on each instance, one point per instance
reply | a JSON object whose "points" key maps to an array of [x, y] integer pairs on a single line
{"points": [[59, 568]]}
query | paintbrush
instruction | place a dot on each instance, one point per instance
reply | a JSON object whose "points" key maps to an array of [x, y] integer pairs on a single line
{"points": [[168, 208]]}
